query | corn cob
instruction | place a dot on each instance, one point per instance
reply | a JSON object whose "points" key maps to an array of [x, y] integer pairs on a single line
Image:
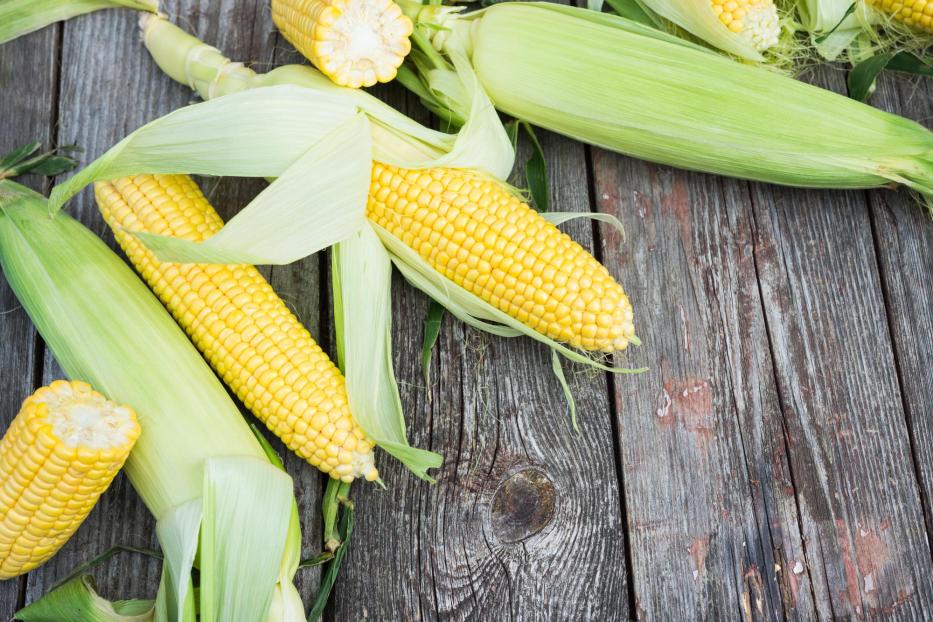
{"points": [[353, 42], [59, 455], [916, 14], [477, 233], [756, 20], [242, 327]]}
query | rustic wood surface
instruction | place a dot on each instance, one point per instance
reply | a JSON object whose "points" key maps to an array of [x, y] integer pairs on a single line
{"points": [[776, 462]]}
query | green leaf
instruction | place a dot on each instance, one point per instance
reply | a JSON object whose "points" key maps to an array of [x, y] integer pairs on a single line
{"points": [[26, 160], [536, 172], [18, 155], [78, 601], [911, 63], [330, 575], [432, 328], [861, 79]]}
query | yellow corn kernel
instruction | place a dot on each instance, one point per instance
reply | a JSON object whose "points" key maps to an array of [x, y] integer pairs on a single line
{"points": [[755, 20], [59, 455], [236, 320], [916, 14], [522, 272], [353, 42]]}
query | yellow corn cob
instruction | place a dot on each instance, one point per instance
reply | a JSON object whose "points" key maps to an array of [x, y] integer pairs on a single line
{"points": [[245, 331], [474, 231], [353, 42], [60, 454], [756, 20], [914, 13]]}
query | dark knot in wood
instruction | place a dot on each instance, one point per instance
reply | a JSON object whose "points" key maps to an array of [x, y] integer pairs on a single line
{"points": [[522, 505]]}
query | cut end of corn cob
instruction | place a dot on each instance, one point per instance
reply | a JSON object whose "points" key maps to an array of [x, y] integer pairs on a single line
{"points": [[755, 20], [916, 14], [245, 331], [353, 42], [60, 454], [478, 234]]}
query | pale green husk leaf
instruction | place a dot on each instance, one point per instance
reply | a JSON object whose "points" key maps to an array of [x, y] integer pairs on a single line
{"points": [[362, 275], [78, 601], [247, 501], [319, 200], [20, 17], [178, 535]]}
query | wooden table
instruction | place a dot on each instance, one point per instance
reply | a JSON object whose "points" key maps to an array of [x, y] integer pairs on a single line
{"points": [[775, 462]]}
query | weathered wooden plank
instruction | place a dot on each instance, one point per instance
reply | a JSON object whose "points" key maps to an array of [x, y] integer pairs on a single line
{"points": [[28, 82], [711, 515], [862, 520], [524, 521], [104, 50], [903, 237]]}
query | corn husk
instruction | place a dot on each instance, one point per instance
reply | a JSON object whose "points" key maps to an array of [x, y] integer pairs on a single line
{"points": [[197, 465], [856, 31], [627, 87], [20, 17]]}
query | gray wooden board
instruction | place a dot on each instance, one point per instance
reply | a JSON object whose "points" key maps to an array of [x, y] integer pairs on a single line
{"points": [[711, 514], [27, 94], [774, 463], [860, 510], [904, 244]]}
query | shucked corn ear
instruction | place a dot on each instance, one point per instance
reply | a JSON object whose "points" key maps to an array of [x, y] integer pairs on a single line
{"points": [[59, 455], [245, 331], [353, 42], [756, 20], [477, 233], [467, 226]]}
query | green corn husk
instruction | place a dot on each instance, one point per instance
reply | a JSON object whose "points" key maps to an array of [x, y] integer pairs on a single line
{"points": [[623, 86], [20, 17], [197, 465]]}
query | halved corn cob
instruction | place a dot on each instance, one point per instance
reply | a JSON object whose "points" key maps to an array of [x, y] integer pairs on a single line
{"points": [[59, 455], [477, 233], [913, 13], [245, 331], [756, 20], [353, 42]]}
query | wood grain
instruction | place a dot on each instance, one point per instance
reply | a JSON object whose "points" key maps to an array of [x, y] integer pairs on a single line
{"points": [[903, 236], [524, 521], [711, 514], [844, 417], [28, 84]]}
